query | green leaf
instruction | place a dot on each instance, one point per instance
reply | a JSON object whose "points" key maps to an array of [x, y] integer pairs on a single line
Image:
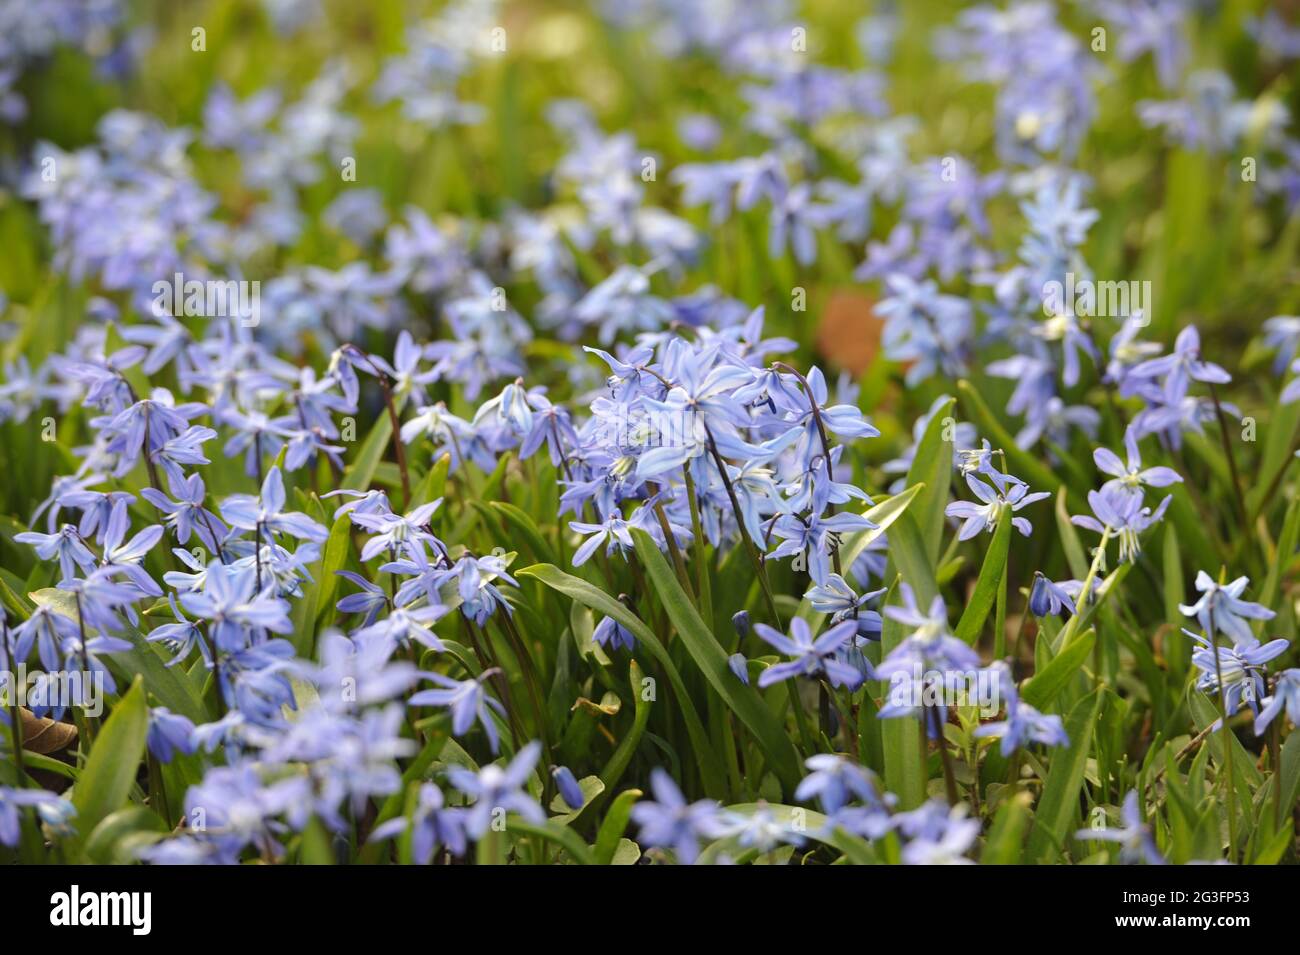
{"points": [[905, 772], [622, 755], [1279, 449], [580, 590], [591, 788], [1075, 555], [166, 684], [527, 527], [359, 473], [1007, 835], [332, 561], [317, 844], [932, 468], [434, 483], [1289, 766], [1271, 852], [986, 587], [1248, 776], [114, 758], [626, 852], [1060, 800], [120, 835], [1286, 548], [712, 661], [1042, 688], [10, 588], [562, 836], [907, 554], [613, 825]]}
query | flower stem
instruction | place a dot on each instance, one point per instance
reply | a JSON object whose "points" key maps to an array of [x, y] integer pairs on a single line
{"points": [[754, 556], [1227, 751], [949, 780], [1232, 459], [679, 563], [532, 681], [15, 720], [399, 450], [702, 568], [1082, 602], [1274, 750]]}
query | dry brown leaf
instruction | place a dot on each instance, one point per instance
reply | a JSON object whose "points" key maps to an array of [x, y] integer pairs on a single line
{"points": [[45, 736], [848, 333]]}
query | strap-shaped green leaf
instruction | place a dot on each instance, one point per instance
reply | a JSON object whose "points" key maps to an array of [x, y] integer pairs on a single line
{"points": [[575, 587], [712, 661]]}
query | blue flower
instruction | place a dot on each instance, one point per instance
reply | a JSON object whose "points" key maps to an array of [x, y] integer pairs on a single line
{"points": [[1132, 476], [836, 781], [1122, 515], [265, 513], [498, 789], [614, 532], [406, 625], [568, 786], [1241, 667], [1221, 609], [66, 544], [670, 822], [1183, 365], [739, 666], [976, 518], [47, 629], [397, 533], [1047, 598], [837, 598], [369, 601], [1023, 723], [937, 834], [12, 800], [359, 671], [186, 515], [180, 637], [432, 824], [169, 733], [759, 829], [1285, 695], [1135, 837], [812, 658], [127, 556], [468, 702], [814, 537], [235, 608], [611, 634]]}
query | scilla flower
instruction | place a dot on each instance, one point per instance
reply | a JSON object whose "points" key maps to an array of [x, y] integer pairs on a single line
{"points": [[1221, 609], [1285, 696], [468, 702], [1131, 476], [498, 788], [1135, 837], [1241, 667], [1047, 598], [432, 825], [670, 822], [568, 786], [811, 658], [978, 517]]}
